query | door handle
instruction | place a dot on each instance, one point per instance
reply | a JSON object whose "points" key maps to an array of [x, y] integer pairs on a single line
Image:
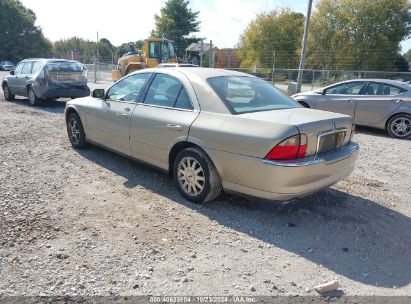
{"points": [[351, 100], [396, 100], [127, 109], [175, 127], [122, 115]]}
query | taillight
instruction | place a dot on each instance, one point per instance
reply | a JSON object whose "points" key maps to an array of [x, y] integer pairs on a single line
{"points": [[291, 148]]}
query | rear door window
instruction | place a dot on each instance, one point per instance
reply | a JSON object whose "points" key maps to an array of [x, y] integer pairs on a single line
{"points": [[36, 67], [167, 91], [27, 68], [382, 89]]}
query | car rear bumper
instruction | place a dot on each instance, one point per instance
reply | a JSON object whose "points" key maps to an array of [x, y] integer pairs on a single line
{"points": [[287, 180], [65, 92]]}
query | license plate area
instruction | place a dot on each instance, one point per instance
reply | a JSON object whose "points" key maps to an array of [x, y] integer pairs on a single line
{"points": [[331, 141]]}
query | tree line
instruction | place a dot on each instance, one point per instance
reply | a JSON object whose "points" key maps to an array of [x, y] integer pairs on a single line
{"points": [[343, 34]]}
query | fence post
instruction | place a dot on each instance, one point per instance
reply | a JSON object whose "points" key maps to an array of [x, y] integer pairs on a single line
{"points": [[312, 81], [95, 68]]}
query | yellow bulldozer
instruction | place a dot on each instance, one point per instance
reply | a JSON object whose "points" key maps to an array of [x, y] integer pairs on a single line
{"points": [[154, 52]]}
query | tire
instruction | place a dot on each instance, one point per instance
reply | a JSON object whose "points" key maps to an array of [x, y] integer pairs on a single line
{"points": [[7, 94], [33, 100], [399, 126], [195, 176], [75, 131]]}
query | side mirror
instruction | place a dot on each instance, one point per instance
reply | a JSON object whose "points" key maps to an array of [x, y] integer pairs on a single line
{"points": [[99, 93], [322, 92], [12, 73]]}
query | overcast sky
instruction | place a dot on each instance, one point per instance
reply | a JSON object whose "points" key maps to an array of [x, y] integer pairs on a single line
{"points": [[129, 20]]}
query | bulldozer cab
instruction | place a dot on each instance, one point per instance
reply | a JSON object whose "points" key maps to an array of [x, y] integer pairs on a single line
{"points": [[154, 52], [158, 51]]}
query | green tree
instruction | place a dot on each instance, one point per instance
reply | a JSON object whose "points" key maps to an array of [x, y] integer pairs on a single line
{"points": [[272, 38], [358, 34], [176, 21], [19, 36]]}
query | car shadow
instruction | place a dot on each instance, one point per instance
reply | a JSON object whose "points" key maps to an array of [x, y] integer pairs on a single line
{"points": [[371, 131], [54, 106], [347, 234]]}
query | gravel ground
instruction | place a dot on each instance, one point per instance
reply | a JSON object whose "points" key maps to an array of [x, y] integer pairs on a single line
{"points": [[91, 222]]}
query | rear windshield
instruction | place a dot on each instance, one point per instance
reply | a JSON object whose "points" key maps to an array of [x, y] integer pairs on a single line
{"points": [[65, 67], [249, 94]]}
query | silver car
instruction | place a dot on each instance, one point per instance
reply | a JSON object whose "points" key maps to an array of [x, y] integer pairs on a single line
{"points": [[379, 103], [215, 130]]}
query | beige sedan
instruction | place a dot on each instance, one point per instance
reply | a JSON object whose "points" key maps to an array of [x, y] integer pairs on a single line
{"points": [[215, 130]]}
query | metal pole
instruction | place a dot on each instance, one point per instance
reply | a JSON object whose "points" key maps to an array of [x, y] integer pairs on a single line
{"points": [[72, 55], [312, 81], [304, 46], [96, 62], [210, 54], [95, 68], [273, 71], [201, 53]]}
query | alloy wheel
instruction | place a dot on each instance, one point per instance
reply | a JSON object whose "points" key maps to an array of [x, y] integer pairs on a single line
{"points": [[191, 176], [401, 126], [74, 131]]}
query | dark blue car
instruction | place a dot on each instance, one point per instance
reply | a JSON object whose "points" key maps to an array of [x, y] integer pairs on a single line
{"points": [[46, 79]]}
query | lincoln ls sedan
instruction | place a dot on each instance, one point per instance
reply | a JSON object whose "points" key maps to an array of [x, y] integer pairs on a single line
{"points": [[215, 130], [378, 103]]}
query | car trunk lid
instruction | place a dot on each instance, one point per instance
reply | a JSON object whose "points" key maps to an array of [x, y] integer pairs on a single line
{"points": [[325, 131]]}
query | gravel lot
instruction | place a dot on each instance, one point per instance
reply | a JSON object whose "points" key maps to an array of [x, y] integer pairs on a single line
{"points": [[91, 222]]}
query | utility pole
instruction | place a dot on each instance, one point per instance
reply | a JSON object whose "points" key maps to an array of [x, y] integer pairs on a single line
{"points": [[210, 54], [201, 52], [273, 71], [96, 62], [304, 46]]}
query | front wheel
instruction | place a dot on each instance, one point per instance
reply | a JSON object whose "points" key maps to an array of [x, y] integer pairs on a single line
{"points": [[75, 131], [195, 176], [7, 94], [400, 126]]}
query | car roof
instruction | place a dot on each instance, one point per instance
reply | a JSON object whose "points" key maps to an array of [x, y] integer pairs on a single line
{"points": [[45, 60], [205, 73], [378, 80]]}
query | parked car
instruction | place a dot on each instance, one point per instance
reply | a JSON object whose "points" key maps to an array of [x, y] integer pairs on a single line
{"points": [[215, 129], [42, 79], [6, 66], [379, 103]]}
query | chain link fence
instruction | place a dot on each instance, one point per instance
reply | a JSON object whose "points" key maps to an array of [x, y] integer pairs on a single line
{"points": [[315, 79], [281, 78]]}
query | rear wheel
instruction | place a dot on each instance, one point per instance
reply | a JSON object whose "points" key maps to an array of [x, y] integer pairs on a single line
{"points": [[7, 94], [33, 100], [195, 176], [400, 126], [75, 131]]}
